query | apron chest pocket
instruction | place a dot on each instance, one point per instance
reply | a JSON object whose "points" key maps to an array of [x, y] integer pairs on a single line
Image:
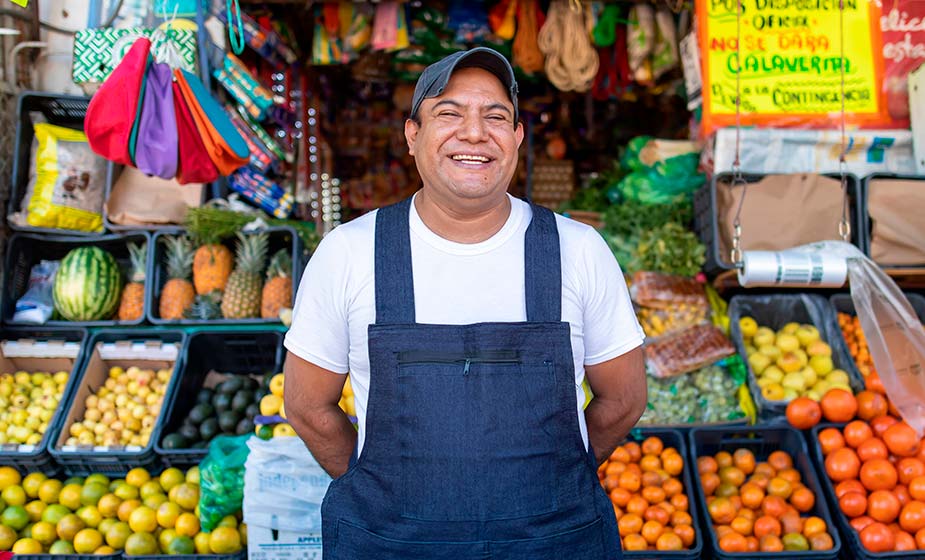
{"points": [[477, 436]]}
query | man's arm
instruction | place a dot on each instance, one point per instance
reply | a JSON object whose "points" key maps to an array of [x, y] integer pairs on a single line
{"points": [[311, 396], [620, 397]]}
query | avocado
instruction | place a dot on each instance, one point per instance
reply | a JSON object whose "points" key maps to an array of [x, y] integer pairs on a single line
{"points": [[190, 432], [209, 429], [200, 412], [245, 426], [231, 385], [204, 395], [250, 384], [221, 402], [260, 393], [200, 445], [228, 420], [242, 400], [251, 411], [174, 441]]}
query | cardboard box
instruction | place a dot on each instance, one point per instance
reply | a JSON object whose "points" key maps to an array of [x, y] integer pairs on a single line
{"points": [[269, 544]]}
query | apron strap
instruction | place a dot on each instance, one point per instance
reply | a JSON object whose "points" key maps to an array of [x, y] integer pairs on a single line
{"points": [[394, 280], [543, 267]]}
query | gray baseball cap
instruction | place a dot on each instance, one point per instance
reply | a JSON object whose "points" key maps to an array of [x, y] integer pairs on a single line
{"points": [[435, 77]]}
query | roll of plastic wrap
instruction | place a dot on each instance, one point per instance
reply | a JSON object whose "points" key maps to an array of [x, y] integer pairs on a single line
{"points": [[792, 268]]}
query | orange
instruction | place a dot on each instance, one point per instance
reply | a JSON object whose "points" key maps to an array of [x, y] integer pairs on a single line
{"points": [[723, 459], [651, 531], [908, 468], [630, 524], [187, 525], [634, 451], [838, 405], [652, 446], [673, 464], [917, 488], [656, 513], [706, 465], [637, 505], [853, 504], [775, 506], [733, 542], [669, 540], [911, 517], [672, 487], [883, 506], [742, 526], [901, 440], [620, 454], [842, 464], [650, 463], [830, 439], [681, 518], [878, 474], [630, 481], [620, 496], [803, 413], [780, 488], [874, 448], [846, 486], [871, 405], [709, 482], [744, 460], [686, 534], [770, 543], [780, 460], [856, 433], [904, 542], [651, 478], [751, 494], [653, 494], [732, 475], [721, 511], [767, 525], [634, 541], [813, 525], [803, 499], [679, 501], [821, 541]]}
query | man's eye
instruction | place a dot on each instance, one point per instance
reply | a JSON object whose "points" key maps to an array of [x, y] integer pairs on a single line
{"points": [[496, 117], [448, 114]]}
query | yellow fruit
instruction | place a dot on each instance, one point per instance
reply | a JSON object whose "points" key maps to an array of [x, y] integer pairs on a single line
{"points": [[789, 362], [794, 381], [104, 551], [283, 430], [773, 373], [126, 491], [172, 477], [167, 515], [106, 524], [126, 508], [276, 384], [790, 328], [35, 509], [269, 405], [201, 541], [192, 475], [9, 477], [282, 410], [69, 526], [837, 376], [772, 352], [242, 530], [187, 524], [109, 505], [91, 493], [13, 496], [787, 343], [44, 532], [139, 544], [155, 501], [763, 337], [181, 545], [228, 521], [143, 520], [187, 496], [773, 392], [61, 547], [87, 540], [49, 490], [98, 478], [137, 477], [91, 516], [27, 546], [166, 537], [759, 362], [69, 496], [819, 348], [224, 540], [807, 334], [32, 483], [822, 364], [748, 326], [54, 513], [118, 534], [150, 488]]}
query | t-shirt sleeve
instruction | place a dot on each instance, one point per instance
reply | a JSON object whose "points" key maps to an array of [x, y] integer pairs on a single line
{"points": [[319, 333], [610, 325]]}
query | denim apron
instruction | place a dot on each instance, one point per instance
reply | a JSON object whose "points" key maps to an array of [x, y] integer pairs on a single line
{"points": [[472, 449]]}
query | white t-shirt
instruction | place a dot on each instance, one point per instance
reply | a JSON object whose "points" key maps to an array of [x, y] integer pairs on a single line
{"points": [[458, 284]]}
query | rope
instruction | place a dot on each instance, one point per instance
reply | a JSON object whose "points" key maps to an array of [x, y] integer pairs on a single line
{"points": [[527, 54], [571, 60]]}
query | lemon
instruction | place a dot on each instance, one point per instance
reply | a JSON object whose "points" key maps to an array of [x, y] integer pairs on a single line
{"points": [[44, 532], [283, 430], [118, 534], [167, 515], [49, 490], [151, 488], [104, 551], [9, 477], [277, 383], [90, 515], [181, 545], [98, 478], [126, 491], [8, 537], [143, 520], [140, 544], [155, 501], [166, 537], [54, 513], [107, 524], [91, 493], [192, 476], [69, 526], [137, 477], [32, 483], [87, 540], [27, 546], [187, 524], [109, 505], [13, 495], [187, 496], [228, 521], [201, 541], [224, 540], [172, 477], [69, 496], [35, 509], [269, 405]]}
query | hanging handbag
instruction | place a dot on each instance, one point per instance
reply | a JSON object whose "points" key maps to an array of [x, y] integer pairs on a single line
{"points": [[156, 149], [195, 164]]}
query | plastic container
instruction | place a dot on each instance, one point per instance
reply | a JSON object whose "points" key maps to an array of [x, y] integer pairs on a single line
{"points": [[774, 311], [47, 350], [280, 238], [27, 249], [762, 441], [148, 349], [672, 438], [706, 221], [864, 212], [62, 110], [224, 351], [116, 556]]}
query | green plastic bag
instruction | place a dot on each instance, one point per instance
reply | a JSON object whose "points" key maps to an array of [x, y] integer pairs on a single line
{"points": [[660, 182], [221, 479]]}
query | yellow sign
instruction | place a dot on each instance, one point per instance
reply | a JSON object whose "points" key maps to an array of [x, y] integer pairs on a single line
{"points": [[791, 61], [22, 3]]}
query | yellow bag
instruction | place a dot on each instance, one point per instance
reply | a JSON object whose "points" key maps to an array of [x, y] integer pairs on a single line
{"points": [[66, 181]]}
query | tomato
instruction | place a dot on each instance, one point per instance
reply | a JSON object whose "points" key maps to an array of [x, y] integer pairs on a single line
{"points": [[912, 516], [770, 543], [873, 383], [853, 504], [902, 494], [780, 460], [871, 405], [803, 499], [858, 523], [881, 423], [904, 542], [839, 405], [850, 485], [791, 522], [842, 464], [733, 542], [774, 506], [657, 514], [917, 488], [803, 413], [901, 440], [744, 460], [830, 439], [883, 506], [874, 448], [765, 469], [877, 537], [878, 474]]}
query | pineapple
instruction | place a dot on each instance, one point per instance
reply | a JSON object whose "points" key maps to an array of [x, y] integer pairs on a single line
{"points": [[178, 293], [211, 267], [205, 307], [277, 292], [132, 305], [241, 299]]}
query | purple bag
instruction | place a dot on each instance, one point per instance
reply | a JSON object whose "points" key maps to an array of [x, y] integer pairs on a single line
{"points": [[156, 151]]}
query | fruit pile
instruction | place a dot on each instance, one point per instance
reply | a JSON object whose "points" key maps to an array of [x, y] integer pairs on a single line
{"points": [[124, 410], [224, 286], [760, 507], [272, 405], [648, 497], [857, 342], [791, 362], [89, 285], [139, 515], [227, 408], [27, 404]]}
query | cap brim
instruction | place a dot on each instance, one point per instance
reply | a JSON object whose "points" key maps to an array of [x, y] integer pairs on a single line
{"points": [[489, 60]]}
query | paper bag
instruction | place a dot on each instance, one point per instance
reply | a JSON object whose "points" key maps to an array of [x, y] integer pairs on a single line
{"points": [[780, 212], [137, 199], [897, 235]]}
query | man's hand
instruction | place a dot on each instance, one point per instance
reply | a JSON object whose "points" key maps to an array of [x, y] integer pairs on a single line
{"points": [[311, 396], [620, 397]]}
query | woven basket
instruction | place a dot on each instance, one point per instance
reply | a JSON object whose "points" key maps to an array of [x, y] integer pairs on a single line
{"points": [[553, 182]]}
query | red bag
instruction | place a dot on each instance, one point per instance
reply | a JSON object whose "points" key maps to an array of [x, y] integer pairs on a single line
{"points": [[111, 112], [195, 164]]}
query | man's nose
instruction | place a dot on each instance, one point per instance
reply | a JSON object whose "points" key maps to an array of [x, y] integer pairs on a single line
{"points": [[473, 129]]}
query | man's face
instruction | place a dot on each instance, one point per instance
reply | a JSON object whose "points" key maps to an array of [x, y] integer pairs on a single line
{"points": [[466, 145]]}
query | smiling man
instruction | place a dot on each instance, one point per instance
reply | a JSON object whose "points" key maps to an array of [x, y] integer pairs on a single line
{"points": [[468, 320]]}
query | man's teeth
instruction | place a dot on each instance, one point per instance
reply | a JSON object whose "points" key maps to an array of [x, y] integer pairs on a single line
{"points": [[470, 159]]}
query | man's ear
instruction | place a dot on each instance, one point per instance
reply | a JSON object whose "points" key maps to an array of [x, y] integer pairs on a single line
{"points": [[411, 134], [519, 133]]}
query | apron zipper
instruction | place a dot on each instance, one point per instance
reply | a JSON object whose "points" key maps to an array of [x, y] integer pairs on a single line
{"points": [[487, 357]]}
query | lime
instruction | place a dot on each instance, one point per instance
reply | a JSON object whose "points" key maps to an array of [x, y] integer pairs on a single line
{"points": [[74, 480], [54, 513], [126, 491], [15, 517], [181, 545], [107, 524], [98, 477], [150, 488], [140, 544], [14, 495], [91, 516], [92, 492], [61, 547], [265, 432]]}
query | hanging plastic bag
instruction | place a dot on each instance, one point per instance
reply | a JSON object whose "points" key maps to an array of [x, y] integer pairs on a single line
{"points": [[195, 165], [156, 151], [37, 304], [221, 476]]}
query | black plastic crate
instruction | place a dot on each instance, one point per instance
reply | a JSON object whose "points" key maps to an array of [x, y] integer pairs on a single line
{"points": [[238, 556], [676, 439], [280, 238], [84, 460], [28, 249], [61, 110], [774, 311], [52, 352], [233, 352], [853, 547], [706, 220], [864, 213], [116, 556], [762, 440]]}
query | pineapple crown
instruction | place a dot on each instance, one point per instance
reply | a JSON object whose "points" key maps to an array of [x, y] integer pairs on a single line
{"points": [[138, 254], [280, 265], [251, 252], [205, 307], [179, 256]]}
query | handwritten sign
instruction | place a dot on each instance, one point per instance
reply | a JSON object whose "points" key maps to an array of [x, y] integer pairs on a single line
{"points": [[791, 63], [903, 26]]}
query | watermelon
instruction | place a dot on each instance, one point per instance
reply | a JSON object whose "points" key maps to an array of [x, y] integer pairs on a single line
{"points": [[87, 285]]}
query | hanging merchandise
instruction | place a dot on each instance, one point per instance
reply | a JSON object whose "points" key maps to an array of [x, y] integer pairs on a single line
{"points": [[235, 27], [265, 42], [641, 42], [571, 61], [261, 158], [527, 54], [325, 49], [176, 8], [98, 51], [141, 200], [156, 151], [502, 19], [264, 137], [390, 29], [468, 19], [614, 75], [665, 55], [244, 87], [262, 192], [195, 164], [360, 32], [604, 33]]}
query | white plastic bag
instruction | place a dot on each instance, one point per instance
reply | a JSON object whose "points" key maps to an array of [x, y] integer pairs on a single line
{"points": [[37, 304], [283, 486]]}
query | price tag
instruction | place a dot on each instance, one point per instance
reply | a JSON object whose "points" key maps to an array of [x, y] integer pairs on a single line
{"points": [[26, 449]]}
